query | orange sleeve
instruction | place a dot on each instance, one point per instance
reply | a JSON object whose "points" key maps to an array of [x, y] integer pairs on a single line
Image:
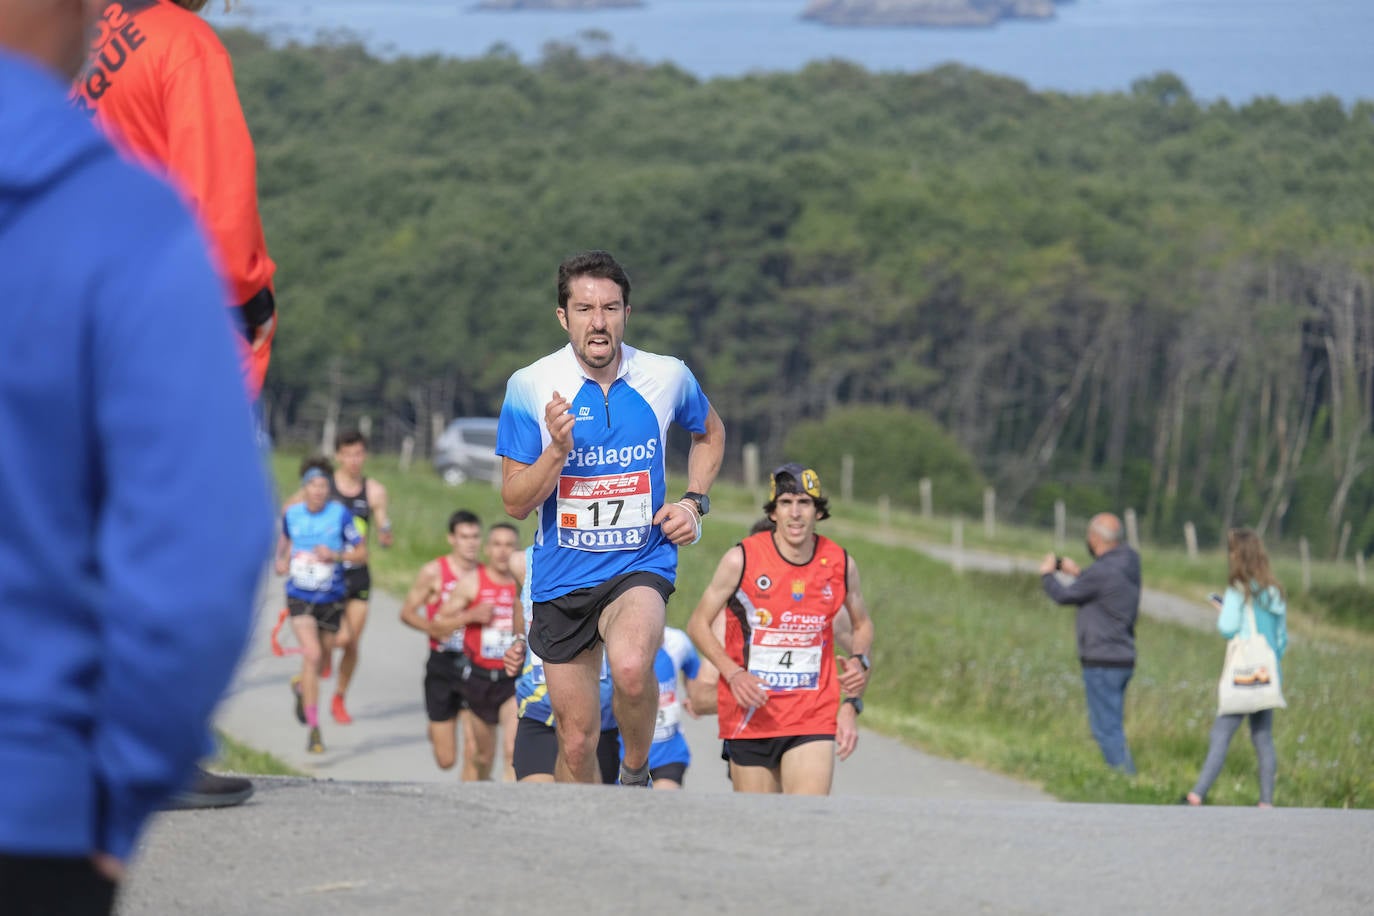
{"points": [[210, 154]]}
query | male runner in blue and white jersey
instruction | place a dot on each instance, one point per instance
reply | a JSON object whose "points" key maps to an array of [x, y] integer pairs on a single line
{"points": [[669, 755], [317, 537], [582, 438], [536, 738]]}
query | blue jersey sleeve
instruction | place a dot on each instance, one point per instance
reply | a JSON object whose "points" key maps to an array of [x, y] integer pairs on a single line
{"points": [[692, 407], [518, 435]]}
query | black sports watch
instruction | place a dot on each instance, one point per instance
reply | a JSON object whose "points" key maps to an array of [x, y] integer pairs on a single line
{"points": [[857, 703], [700, 500], [863, 660]]}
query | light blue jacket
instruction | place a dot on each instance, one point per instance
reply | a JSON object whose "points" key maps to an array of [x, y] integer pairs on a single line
{"points": [[1270, 617]]}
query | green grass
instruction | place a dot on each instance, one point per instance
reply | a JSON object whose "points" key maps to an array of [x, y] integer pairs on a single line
{"points": [[239, 758], [982, 667]]}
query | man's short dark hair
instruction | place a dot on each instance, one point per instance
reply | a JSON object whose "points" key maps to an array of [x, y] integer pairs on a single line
{"points": [[349, 437], [319, 462], [463, 517], [597, 264], [508, 526]]}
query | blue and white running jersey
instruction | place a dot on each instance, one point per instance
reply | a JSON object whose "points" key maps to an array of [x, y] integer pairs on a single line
{"points": [[531, 692], [598, 522], [677, 654], [309, 578]]}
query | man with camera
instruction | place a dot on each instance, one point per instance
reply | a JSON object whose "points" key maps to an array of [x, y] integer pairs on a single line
{"points": [[1107, 594]]}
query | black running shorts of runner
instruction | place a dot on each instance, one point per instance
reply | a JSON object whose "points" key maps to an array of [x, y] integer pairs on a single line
{"points": [[567, 626], [327, 614]]}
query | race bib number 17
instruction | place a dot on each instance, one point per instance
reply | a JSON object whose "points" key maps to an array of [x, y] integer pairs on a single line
{"points": [[614, 512]]}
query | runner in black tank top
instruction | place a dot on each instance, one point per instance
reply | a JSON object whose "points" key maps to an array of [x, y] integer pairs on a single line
{"points": [[368, 503]]}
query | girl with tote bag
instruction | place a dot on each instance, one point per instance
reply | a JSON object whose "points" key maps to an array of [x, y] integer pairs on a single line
{"points": [[1253, 599]]}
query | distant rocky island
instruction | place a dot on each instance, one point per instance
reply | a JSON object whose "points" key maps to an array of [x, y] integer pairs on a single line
{"points": [[927, 13], [559, 5]]}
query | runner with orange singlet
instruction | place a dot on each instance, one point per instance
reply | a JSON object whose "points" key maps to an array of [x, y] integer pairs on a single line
{"points": [[778, 699]]}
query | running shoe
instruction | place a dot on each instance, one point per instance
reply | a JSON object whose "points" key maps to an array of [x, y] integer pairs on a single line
{"points": [[315, 744], [300, 698], [339, 712], [641, 779], [210, 790]]}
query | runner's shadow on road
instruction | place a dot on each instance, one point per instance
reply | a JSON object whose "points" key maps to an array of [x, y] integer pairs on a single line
{"points": [[370, 746], [371, 714]]}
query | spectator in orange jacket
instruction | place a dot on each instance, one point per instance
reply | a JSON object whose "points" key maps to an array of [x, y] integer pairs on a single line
{"points": [[159, 83]]}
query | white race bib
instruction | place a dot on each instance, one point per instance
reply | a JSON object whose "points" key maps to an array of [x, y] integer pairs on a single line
{"points": [[786, 660], [614, 512], [669, 713], [310, 573], [495, 642]]}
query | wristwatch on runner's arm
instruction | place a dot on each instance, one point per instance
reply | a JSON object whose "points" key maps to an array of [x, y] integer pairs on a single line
{"points": [[863, 660], [700, 500], [857, 703]]}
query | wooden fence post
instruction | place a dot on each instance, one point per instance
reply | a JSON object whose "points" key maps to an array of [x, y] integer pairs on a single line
{"points": [[927, 499], [1061, 524], [407, 452], [989, 513], [1132, 530], [1190, 538], [751, 465]]}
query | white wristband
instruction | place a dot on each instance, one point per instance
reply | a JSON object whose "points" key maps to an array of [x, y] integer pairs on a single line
{"points": [[696, 519]]}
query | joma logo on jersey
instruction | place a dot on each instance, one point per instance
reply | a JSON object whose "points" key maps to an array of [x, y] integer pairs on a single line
{"points": [[602, 539], [605, 486]]}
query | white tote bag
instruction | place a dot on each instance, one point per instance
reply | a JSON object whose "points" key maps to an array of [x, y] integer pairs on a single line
{"points": [[1250, 676]]}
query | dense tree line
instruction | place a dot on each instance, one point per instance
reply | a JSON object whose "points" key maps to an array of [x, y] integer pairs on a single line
{"points": [[1125, 299]]}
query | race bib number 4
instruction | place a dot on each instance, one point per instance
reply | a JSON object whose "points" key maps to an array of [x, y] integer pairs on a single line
{"points": [[786, 660], [614, 512]]}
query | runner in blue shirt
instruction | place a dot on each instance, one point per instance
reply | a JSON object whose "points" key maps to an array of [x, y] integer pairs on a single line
{"points": [[317, 537], [669, 755], [582, 437], [536, 738]]}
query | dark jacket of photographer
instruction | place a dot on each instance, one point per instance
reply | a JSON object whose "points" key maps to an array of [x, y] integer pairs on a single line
{"points": [[1108, 599]]}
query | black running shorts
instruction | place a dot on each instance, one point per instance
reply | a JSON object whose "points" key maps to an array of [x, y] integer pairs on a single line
{"points": [[486, 696], [567, 626], [327, 615], [445, 689], [536, 751], [357, 583], [765, 752]]}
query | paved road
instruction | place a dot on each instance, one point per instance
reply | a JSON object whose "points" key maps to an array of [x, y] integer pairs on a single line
{"points": [[317, 848], [387, 740]]}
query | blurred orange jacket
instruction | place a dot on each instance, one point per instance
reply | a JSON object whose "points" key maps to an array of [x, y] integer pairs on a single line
{"points": [[160, 84]]}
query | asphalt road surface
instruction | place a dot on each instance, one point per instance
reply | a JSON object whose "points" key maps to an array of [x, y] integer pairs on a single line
{"points": [[380, 829]]}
